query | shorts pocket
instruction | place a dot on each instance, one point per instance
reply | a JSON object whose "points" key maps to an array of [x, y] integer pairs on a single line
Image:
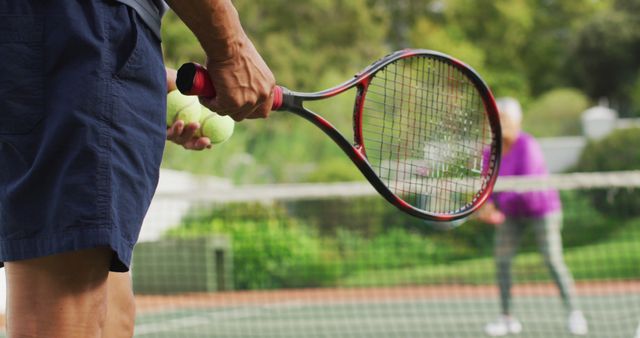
{"points": [[127, 33], [21, 73]]}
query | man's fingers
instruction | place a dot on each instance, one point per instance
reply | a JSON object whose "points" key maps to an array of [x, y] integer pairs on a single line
{"points": [[239, 109], [261, 112], [249, 111], [197, 144], [188, 132], [201, 143], [175, 130], [186, 136]]}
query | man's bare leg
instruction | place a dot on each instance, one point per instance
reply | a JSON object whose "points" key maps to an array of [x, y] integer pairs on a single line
{"points": [[121, 310], [59, 296]]}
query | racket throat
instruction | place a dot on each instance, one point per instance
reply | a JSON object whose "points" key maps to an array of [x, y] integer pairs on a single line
{"points": [[360, 151]]}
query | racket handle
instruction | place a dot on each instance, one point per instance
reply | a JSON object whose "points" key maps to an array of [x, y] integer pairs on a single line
{"points": [[193, 79]]}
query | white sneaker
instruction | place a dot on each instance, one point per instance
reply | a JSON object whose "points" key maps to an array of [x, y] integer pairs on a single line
{"points": [[577, 324], [503, 326]]}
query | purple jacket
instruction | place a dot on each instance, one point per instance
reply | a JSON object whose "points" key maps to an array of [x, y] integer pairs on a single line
{"points": [[525, 158]]}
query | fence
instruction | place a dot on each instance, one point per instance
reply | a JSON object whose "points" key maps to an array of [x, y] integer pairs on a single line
{"points": [[335, 260]]}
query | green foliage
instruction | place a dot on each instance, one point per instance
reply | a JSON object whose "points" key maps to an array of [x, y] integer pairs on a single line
{"points": [[345, 241], [333, 215], [621, 248], [579, 230], [179, 44], [556, 113], [634, 94], [285, 148], [473, 32], [447, 40], [403, 15], [301, 40], [522, 48], [618, 151], [548, 56], [269, 253], [313, 244], [393, 248], [605, 56], [335, 170]]}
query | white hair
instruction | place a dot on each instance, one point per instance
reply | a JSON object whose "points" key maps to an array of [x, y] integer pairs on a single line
{"points": [[510, 107]]}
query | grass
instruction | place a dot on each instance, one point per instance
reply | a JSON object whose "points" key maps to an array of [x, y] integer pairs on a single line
{"points": [[617, 257]]}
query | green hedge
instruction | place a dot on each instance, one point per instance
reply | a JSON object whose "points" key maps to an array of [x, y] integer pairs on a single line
{"points": [[269, 254], [324, 243], [620, 150], [563, 106], [274, 249]]}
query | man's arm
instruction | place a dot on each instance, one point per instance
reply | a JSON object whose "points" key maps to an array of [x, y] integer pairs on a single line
{"points": [[242, 79]]}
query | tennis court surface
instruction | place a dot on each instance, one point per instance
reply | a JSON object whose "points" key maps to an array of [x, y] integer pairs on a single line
{"points": [[384, 312], [335, 260]]}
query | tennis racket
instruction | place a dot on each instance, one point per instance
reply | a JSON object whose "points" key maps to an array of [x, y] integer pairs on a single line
{"points": [[426, 132]]}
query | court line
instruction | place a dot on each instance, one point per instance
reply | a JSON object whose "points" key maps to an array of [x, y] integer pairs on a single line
{"points": [[203, 319]]}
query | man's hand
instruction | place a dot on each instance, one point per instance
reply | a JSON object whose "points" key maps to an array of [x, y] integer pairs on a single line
{"points": [[178, 132], [243, 83], [186, 136]]}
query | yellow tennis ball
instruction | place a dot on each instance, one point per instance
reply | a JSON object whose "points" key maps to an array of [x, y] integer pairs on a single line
{"points": [[217, 128], [182, 107]]}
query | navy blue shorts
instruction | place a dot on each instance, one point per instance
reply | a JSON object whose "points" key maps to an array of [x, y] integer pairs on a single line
{"points": [[82, 127]]}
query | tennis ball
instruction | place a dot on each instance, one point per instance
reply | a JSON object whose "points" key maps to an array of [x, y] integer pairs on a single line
{"points": [[182, 107], [217, 128]]}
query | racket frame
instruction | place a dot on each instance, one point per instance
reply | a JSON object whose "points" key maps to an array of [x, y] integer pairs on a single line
{"points": [[294, 102]]}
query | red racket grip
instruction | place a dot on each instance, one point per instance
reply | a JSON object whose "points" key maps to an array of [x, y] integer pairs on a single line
{"points": [[193, 79]]}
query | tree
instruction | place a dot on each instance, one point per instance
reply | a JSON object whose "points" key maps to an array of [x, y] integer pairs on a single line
{"points": [[547, 52], [486, 34], [302, 40], [309, 45], [179, 44], [404, 14], [629, 6], [606, 56]]}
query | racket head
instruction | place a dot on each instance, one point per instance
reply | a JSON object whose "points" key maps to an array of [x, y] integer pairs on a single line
{"points": [[429, 129]]}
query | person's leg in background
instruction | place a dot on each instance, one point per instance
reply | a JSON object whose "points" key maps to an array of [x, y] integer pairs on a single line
{"points": [[507, 240], [549, 241]]}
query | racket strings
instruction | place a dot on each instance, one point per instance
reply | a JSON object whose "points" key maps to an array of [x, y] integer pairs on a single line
{"points": [[425, 131]]}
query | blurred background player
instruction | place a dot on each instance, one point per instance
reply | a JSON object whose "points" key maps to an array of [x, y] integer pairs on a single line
{"points": [[512, 213]]}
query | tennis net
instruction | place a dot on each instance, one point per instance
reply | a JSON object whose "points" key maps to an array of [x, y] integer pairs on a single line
{"points": [[335, 260]]}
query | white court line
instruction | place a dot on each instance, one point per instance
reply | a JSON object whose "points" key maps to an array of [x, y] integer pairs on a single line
{"points": [[204, 319]]}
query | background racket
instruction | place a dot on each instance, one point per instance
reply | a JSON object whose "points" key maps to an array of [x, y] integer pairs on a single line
{"points": [[426, 132]]}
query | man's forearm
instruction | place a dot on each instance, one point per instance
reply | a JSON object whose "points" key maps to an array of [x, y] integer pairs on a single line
{"points": [[215, 23], [243, 81]]}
